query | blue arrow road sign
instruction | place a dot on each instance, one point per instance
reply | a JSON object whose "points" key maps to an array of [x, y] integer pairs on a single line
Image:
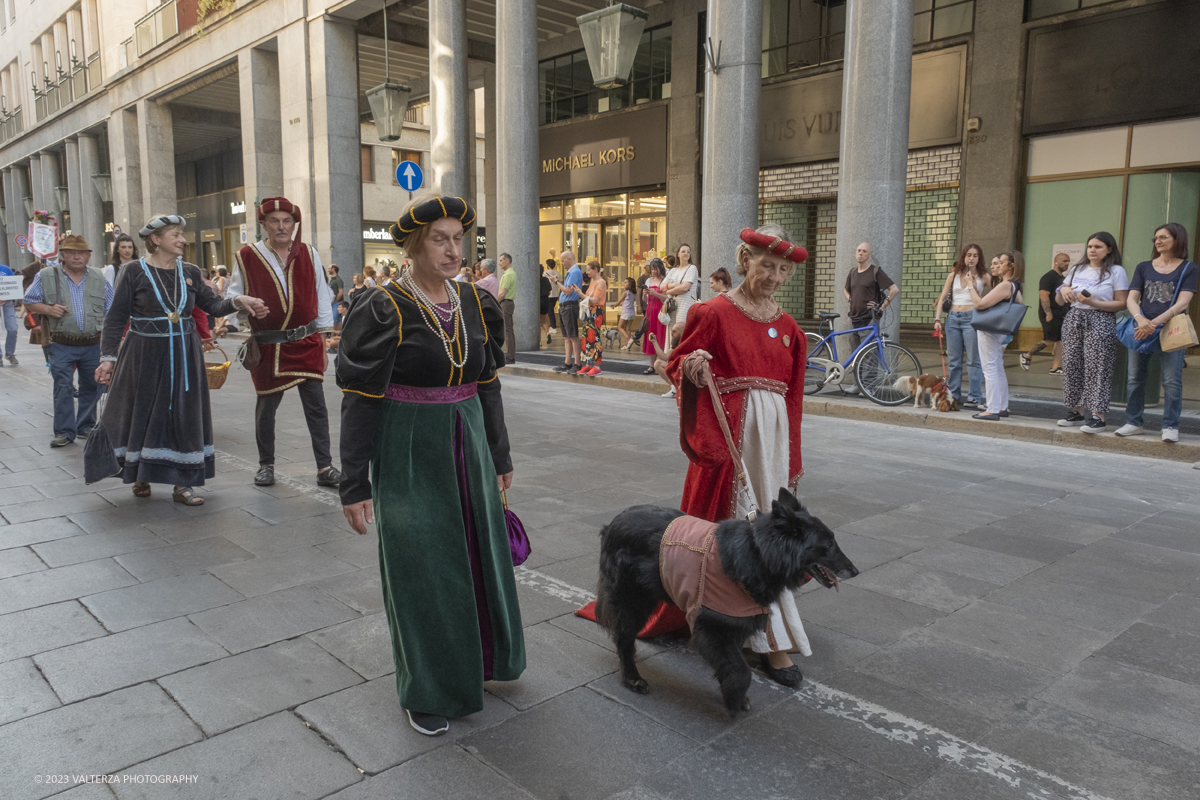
{"points": [[409, 176]]}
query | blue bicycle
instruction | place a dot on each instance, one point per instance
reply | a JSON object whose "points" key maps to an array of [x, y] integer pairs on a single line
{"points": [[877, 364]]}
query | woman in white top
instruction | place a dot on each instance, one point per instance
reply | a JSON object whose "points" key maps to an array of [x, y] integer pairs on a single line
{"points": [[1096, 288], [683, 285], [961, 342], [991, 345]]}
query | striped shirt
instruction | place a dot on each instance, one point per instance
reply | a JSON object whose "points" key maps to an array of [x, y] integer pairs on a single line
{"points": [[36, 294]]}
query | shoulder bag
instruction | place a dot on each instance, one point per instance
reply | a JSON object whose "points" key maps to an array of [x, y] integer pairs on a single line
{"points": [[40, 334], [1153, 344], [1004, 318]]}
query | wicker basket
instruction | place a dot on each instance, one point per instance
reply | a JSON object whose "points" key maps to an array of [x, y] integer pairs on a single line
{"points": [[217, 373]]}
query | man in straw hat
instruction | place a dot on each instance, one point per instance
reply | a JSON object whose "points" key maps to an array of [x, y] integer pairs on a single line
{"points": [[73, 299], [288, 276]]}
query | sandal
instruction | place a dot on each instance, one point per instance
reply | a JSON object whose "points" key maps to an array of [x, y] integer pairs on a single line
{"points": [[648, 371], [186, 496], [141, 489]]}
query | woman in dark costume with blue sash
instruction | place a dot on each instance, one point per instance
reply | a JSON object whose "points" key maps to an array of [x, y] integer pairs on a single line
{"points": [[157, 416], [425, 452]]}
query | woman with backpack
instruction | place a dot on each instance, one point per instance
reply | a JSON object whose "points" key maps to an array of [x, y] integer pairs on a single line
{"points": [[991, 345], [1096, 288], [1161, 289]]}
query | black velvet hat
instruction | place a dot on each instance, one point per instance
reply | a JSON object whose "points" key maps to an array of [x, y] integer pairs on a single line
{"points": [[429, 212]]}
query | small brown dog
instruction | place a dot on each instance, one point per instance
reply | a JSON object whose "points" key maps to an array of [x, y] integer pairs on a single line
{"points": [[927, 385]]}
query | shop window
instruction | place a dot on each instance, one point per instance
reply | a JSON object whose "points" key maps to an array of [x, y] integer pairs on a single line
{"points": [[368, 163], [550, 211], [938, 19], [399, 156], [1037, 9], [565, 88], [1152, 200]]}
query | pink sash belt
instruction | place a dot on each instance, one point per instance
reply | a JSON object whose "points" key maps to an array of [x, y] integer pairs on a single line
{"points": [[430, 394]]}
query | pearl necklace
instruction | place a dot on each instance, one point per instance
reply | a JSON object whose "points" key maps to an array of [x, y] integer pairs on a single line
{"points": [[431, 321]]}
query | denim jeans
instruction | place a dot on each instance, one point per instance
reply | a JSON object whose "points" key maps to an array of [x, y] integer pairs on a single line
{"points": [[10, 327], [961, 340], [64, 360], [1172, 378]]}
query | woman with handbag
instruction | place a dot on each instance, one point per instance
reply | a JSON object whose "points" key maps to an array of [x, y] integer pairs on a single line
{"points": [[961, 342], [681, 288], [425, 456], [1096, 288], [1167, 274], [992, 342], [756, 354]]}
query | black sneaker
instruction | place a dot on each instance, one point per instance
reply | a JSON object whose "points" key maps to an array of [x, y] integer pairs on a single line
{"points": [[265, 475], [1056, 371], [427, 724], [328, 477], [1072, 419], [1094, 425], [562, 368], [574, 369], [969, 404]]}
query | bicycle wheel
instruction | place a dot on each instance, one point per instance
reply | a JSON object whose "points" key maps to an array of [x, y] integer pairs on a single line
{"points": [[877, 376], [814, 374]]}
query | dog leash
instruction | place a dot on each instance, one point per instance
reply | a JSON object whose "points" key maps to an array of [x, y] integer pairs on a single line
{"points": [[937, 331], [697, 370]]}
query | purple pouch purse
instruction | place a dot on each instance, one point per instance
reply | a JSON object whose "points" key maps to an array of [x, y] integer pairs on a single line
{"points": [[518, 540]]}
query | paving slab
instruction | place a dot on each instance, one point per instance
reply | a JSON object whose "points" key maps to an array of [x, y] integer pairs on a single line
{"points": [[65, 583], [568, 732], [96, 737], [233, 691], [179, 559], [26, 533], [165, 598], [832, 652], [598, 635], [936, 589], [224, 522], [43, 476], [974, 562], [361, 551], [364, 645], [118, 517], [981, 683], [272, 759], [1180, 613], [23, 691], [40, 509], [15, 495], [768, 756], [284, 509], [367, 724], [1002, 539], [1162, 651], [19, 561], [272, 617], [957, 783], [1129, 698], [558, 661], [37, 630], [448, 772], [93, 546], [122, 659], [1110, 761], [292, 535], [868, 615], [361, 590], [273, 573]]}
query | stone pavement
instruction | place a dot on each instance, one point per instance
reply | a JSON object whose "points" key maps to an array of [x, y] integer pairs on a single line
{"points": [[1025, 625]]}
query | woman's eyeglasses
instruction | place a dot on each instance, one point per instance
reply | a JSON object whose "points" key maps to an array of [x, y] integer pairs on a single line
{"points": [[1163, 238]]}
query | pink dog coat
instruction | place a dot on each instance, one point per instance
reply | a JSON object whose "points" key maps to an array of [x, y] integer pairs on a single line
{"points": [[689, 563]]}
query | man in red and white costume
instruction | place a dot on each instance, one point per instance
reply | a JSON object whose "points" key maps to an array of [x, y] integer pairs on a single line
{"points": [[288, 276]]}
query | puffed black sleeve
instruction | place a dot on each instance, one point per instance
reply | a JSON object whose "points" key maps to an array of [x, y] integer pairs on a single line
{"points": [[489, 385], [118, 313], [206, 299], [370, 336]]}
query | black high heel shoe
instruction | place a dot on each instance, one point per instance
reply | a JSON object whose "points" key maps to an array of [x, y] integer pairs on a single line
{"points": [[788, 676]]}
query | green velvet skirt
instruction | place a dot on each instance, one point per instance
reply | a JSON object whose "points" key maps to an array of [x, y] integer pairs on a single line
{"points": [[448, 586]]}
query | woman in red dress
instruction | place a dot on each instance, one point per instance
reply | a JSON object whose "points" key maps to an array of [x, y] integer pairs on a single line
{"points": [[654, 305], [757, 354]]}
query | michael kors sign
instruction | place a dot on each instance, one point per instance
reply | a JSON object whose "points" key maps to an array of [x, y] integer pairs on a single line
{"points": [[597, 155], [800, 120]]}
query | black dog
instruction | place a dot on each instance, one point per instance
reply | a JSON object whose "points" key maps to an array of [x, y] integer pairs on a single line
{"points": [[773, 554]]}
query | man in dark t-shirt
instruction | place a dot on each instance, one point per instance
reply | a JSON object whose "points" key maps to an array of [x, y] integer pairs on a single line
{"points": [[1050, 314], [864, 288]]}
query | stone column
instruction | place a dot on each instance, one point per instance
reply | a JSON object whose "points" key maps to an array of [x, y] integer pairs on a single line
{"points": [[125, 165], [873, 162], [336, 219], [34, 187], [451, 149], [6, 200], [296, 111], [730, 110], [489, 158], [89, 206], [683, 146], [72, 150], [516, 210], [156, 149], [16, 186], [51, 180], [262, 144]]}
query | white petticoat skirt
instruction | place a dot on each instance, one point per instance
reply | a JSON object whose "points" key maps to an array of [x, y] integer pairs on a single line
{"points": [[767, 460]]}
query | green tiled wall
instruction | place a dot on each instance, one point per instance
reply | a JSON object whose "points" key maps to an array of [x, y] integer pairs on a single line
{"points": [[793, 218], [930, 227]]}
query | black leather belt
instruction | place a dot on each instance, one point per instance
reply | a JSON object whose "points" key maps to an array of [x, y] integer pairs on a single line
{"points": [[283, 337], [75, 341]]}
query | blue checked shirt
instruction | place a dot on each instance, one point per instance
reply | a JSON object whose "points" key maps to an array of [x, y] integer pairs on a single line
{"points": [[36, 294]]}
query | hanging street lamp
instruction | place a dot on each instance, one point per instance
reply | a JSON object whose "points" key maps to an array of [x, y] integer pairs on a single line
{"points": [[611, 37], [388, 100]]}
